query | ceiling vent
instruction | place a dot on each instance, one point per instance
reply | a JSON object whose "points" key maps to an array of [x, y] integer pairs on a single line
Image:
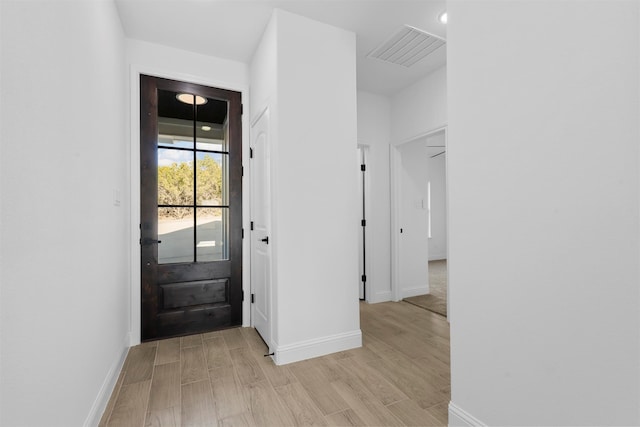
{"points": [[407, 46]]}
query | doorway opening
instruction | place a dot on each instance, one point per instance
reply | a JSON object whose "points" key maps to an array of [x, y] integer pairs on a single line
{"points": [[419, 238]]}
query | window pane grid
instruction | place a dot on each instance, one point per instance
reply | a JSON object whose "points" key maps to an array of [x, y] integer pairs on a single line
{"points": [[190, 150], [193, 203]]}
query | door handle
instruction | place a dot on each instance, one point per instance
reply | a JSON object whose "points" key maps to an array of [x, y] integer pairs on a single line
{"points": [[147, 241], [266, 240]]}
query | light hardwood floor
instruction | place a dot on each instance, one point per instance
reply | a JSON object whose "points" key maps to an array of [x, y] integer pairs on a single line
{"points": [[399, 377], [436, 299]]}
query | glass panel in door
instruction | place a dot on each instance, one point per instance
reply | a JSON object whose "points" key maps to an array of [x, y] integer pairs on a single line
{"points": [[193, 158]]}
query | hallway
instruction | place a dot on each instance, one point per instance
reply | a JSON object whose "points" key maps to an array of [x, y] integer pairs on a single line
{"points": [[400, 376]]}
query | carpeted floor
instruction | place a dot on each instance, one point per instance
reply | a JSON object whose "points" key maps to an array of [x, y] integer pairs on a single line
{"points": [[436, 299]]}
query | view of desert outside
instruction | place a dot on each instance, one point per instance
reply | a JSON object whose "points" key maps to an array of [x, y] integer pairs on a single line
{"points": [[176, 225]]}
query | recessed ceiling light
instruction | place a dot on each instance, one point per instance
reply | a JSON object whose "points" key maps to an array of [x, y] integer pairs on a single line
{"points": [[187, 98], [206, 128], [443, 17]]}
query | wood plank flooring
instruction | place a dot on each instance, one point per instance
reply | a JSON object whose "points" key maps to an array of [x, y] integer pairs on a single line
{"points": [[436, 299], [400, 377]]}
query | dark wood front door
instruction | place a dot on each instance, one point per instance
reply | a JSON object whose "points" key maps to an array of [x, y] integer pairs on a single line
{"points": [[191, 208]]}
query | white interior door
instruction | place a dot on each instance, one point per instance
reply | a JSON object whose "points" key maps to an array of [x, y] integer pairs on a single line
{"points": [[413, 274], [260, 229]]}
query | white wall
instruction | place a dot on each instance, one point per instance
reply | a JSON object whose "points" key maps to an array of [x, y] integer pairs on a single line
{"points": [[374, 131], [189, 66], [263, 73], [419, 108], [65, 251], [152, 59], [1, 192], [413, 240], [544, 273], [315, 191], [436, 168], [317, 253]]}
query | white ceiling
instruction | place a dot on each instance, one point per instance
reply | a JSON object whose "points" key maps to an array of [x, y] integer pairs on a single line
{"points": [[232, 28]]}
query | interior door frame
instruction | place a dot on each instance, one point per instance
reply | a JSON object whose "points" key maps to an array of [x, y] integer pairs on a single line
{"points": [[369, 234], [135, 329], [395, 173]]}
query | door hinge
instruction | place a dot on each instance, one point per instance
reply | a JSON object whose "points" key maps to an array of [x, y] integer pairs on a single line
{"points": [[363, 168], [242, 170], [241, 109], [251, 225], [253, 298], [243, 295], [363, 222], [243, 233], [364, 277], [251, 153]]}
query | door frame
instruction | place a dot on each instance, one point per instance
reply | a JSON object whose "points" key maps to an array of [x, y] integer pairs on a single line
{"points": [[395, 171], [370, 235], [249, 235], [135, 318]]}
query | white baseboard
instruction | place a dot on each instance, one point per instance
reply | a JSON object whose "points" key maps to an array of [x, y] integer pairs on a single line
{"points": [[412, 292], [317, 347], [461, 418], [109, 383], [134, 340], [380, 297]]}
